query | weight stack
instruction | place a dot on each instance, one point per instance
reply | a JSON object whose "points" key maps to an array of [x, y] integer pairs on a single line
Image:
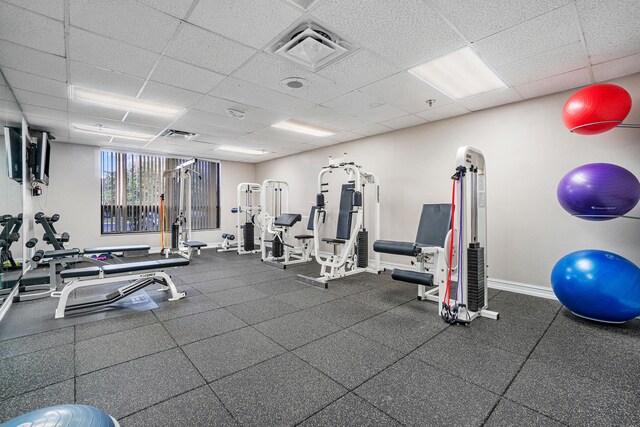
{"points": [[362, 248], [249, 243], [475, 276], [175, 235], [277, 249]]}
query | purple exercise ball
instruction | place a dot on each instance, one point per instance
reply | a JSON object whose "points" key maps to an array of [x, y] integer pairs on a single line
{"points": [[598, 191]]}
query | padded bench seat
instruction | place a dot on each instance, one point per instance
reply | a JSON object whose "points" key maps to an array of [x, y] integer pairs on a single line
{"points": [[334, 241], [110, 249], [396, 248], [113, 269], [61, 253], [195, 244], [304, 236]]}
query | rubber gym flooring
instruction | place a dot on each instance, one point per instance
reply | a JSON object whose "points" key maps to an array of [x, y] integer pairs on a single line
{"points": [[252, 346]]}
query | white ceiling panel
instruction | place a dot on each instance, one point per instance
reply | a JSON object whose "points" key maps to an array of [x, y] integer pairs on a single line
{"points": [[31, 29], [617, 68], [110, 54], [91, 77], [491, 99], [124, 20], [61, 128], [188, 125], [611, 28], [405, 92], [404, 122], [373, 129], [221, 121], [96, 112], [258, 96], [40, 100], [219, 105], [145, 119], [444, 112], [418, 32], [318, 115], [338, 137], [554, 84], [203, 48], [170, 95], [254, 23], [23, 58], [115, 124], [348, 123], [176, 8], [359, 69], [557, 61], [271, 135], [381, 113], [269, 70], [22, 80], [477, 19], [46, 113], [352, 102], [267, 118], [549, 31], [186, 76], [51, 8]]}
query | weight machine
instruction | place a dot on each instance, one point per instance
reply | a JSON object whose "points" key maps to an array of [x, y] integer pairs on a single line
{"points": [[445, 258], [277, 224], [351, 244], [247, 210], [181, 243]]}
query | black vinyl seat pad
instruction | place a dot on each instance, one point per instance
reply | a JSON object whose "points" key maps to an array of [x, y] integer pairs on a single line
{"points": [[287, 219], [304, 236], [194, 244], [61, 253], [334, 241], [132, 267], [111, 249]]}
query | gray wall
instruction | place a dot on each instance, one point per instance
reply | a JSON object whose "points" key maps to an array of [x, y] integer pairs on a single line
{"points": [[74, 193], [528, 150]]}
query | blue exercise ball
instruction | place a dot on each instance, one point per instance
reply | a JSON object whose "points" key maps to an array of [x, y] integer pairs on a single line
{"points": [[64, 415], [598, 191], [598, 285]]}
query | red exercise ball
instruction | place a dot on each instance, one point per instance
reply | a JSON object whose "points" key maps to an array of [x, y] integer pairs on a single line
{"points": [[585, 111]]}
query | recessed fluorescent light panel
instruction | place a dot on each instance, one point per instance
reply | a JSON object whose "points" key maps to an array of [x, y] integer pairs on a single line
{"points": [[239, 150], [115, 133], [300, 127], [125, 103], [459, 74]]}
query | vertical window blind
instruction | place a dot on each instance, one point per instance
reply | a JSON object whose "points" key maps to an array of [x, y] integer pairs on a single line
{"points": [[131, 188]]}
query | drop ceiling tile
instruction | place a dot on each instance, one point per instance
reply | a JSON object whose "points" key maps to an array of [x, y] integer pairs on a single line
{"points": [[340, 137], [419, 33], [273, 135], [189, 125], [91, 77], [170, 95], [186, 76], [359, 69], [40, 100], [268, 70], [352, 102], [205, 49], [34, 83], [147, 120], [41, 123], [348, 123], [258, 96], [31, 29], [51, 8], [318, 115], [218, 105], [405, 92], [95, 111], [549, 31], [554, 84], [491, 99], [478, 19], [176, 8], [266, 117], [617, 68], [110, 54], [254, 23], [23, 59], [404, 122], [444, 112], [124, 20], [46, 113], [222, 121], [381, 113], [373, 129], [551, 63], [610, 28]]}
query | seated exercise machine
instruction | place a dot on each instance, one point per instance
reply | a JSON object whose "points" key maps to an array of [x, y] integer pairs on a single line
{"points": [[351, 244], [276, 242], [138, 274], [178, 188], [247, 210], [440, 253], [9, 235]]}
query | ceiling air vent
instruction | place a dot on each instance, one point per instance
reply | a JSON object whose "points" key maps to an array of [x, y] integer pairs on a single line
{"points": [[173, 133], [312, 47]]}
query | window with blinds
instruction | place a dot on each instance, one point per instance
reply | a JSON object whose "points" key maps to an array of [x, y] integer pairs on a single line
{"points": [[131, 188]]}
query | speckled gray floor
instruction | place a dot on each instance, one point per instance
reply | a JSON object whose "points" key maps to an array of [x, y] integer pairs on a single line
{"points": [[253, 346]]}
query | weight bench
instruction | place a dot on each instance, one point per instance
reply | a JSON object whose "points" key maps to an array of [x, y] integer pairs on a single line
{"points": [[139, 274]]}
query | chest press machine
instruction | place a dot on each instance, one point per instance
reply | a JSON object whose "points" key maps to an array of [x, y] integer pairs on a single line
{"points": [[247, 210], [440, 253], [351, 245], [277, 224]]}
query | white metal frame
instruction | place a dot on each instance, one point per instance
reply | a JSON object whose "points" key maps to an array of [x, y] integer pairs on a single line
{"points": [[247, 191]]}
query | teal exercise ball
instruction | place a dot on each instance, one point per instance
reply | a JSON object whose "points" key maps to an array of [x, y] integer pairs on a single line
{"points": [[598, 285]]}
